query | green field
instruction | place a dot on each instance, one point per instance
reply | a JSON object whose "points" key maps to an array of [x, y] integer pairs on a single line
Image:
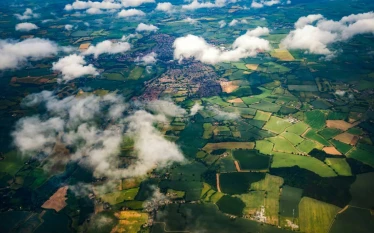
{"points": [[276, 125], [136, 73], [289, 201], [308, 145], [329, 133], [231, 205], [362, 191], [361, 155], [264, 147], [114, 76], [306, 162], [262, 116], [316, 216], [313, 135], [298, 128], [340, 146], [243, 181], [316, 119], [251, 160], [339, 165], [265, 106], [295, 139], [119, 196], [283, 145]]}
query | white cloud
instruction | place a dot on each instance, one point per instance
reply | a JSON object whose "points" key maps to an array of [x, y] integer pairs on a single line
{"points": [[146, 27], [247, 45], [68, 27], [147, 59], [196, 4], [82, 5], [25, 27], [190, 20], [130, 36], [76, 122], [340, 92], [164, 6], [73, 66], [166, 108], [222, 24], [233, 22], [262, 3], [314, 33], [94, 11], [222, 115], [108, 47], [195, 109], [130, 13], [135, 3], [14, 53], [28, 14]]}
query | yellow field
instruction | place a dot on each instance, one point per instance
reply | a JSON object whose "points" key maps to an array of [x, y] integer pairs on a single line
{"points": [[209, 147], [228, 87], [316, 216], [237, 100], [130, 221], [282, 54], [331, 150], [252, 66]]}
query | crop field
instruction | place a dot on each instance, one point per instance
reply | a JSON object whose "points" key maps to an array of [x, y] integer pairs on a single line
{"points": [[289, 201], [262, 116], [292, 137], [119, 196], [315, 119], [362, 155], [306, 162], [265, 106], [252, 66], [114, 76], [264, 147], [192, 189], [339, 124], [340, 146], [228, 87], [283, 145], [313, 135], [130, 221], [298, 128], [329, 133], [331, 150], [136, 73], [340, 166], [209, 147], [308, 145], [276, 125], [316, 216], [253, 201], [282, 54], [11, 163], [242, 184], [251, 160], [347, 138]]}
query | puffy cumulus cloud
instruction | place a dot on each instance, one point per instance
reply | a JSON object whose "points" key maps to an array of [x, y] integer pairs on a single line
{"points": [[222, 115], [340, 92], [130, 13], [68, 27], [82, 5], [314, 33], [195, 109], [25, 27], [130, 36], [28, 14], [247, 45], [166, 108], [14, 53], [89, 125], [190, 20], [107, 47], [135, 3], [33, 134], [72, 67], [147, 59], [222, 24], [196, 4], [94, 11], [164, 6], [146, 27], [262, 3], [235, 22], [151, 147]]}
